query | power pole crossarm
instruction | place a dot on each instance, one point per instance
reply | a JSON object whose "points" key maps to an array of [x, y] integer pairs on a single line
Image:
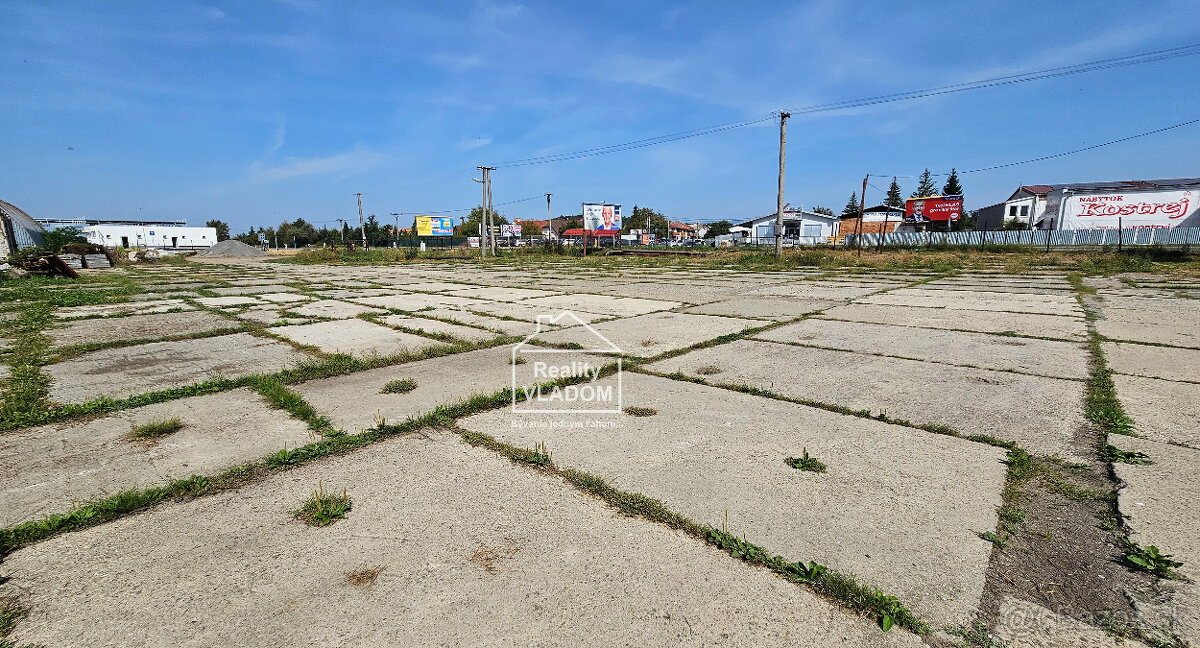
{"points": [[783, 117]]}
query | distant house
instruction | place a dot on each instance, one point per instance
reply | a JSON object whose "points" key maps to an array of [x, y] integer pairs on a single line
{"points": [[799, 226], [575, 234], [880, 218], [18, 230], [680, 231]]}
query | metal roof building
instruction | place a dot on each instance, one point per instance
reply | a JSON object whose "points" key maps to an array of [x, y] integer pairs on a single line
{"points": [[18, 230]]}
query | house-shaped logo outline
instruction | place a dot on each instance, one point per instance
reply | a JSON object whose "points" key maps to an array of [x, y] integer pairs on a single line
{"points": [[543, 324]]}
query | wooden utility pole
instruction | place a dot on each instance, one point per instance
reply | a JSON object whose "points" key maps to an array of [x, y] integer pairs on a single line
{"points": [[783, 117], [491, 212], [361, 227], [483, 216], [862, 208], [549, 218]]}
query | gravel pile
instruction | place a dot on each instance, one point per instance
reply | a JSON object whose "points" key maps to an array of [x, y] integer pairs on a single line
{"points": [[232, 248]]}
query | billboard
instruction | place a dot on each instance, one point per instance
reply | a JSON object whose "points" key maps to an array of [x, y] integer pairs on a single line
{"points": [[435, 226], [933, 208], [509, 231], [601, 216], [1134, 210]]}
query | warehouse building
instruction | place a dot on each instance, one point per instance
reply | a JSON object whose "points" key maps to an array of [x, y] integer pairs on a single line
{"points": [[18, 230], [149, 235]]}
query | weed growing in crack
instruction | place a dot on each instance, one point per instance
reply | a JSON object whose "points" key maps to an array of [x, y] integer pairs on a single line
{"points": [[155, 430], [640, 411], [323, 508], [401, 386], [1113, 454], [1150, 559], [539, 456], [999, 542], [806, 462]]}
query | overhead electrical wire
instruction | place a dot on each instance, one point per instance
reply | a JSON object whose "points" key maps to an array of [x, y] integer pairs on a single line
{"points": [[1012, 79]]}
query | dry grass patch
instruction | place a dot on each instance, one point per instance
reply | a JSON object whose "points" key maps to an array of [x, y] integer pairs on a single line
{"points": [[364, 576], [640, 411], [487, 557]]}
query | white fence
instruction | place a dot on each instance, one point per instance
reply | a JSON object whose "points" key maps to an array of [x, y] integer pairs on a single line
{"points": [[1057, 238]]}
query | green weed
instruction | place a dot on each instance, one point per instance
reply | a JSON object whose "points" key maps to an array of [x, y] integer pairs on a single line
{"points": [[399, 386], [156, 429], [805, 462], [1150, 559], [323, 508], [1113, 454]]}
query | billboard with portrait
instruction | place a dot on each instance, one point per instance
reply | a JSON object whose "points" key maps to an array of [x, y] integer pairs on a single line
{"points": [[601, 216], [933, 209], [435, 226]]}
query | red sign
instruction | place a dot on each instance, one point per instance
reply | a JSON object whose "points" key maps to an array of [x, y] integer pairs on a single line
{"points": [[933, 208]]}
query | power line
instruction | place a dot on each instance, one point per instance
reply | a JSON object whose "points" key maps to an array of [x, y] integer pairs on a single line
{"points": [[1058, 155], [1024, 77]]}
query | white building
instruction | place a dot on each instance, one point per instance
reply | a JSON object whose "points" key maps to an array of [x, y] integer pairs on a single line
{"points": [[799, 226], [1171, 202], [150, 236]]}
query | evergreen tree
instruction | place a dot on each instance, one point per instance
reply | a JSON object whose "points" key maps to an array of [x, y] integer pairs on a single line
{"points": [[925, 186], [851, 208], [952, 188], [893, 198], [823, 210]]}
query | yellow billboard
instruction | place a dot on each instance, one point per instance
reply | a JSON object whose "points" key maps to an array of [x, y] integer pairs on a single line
{"points": [[435, 226]]}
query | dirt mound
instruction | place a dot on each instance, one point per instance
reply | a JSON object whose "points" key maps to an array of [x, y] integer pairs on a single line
{"points": [[232, 248]]}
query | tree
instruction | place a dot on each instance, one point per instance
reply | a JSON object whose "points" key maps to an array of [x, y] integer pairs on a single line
{"points": [[53, 240], [952, 187], [222, 229], [644, 218], [851, 208], [893, 197], [925, 186], [719, 228], [823, 210]]}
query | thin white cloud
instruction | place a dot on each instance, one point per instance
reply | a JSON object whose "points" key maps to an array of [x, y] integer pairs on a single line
{"points": [[472, 144], [341, 165]]}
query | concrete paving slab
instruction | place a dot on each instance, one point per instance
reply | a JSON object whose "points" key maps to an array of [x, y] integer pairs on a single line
{"points": [[284, 298], [768, 308], [222, 302], [1162, 410], [842, 293], [137, 327], [1159, 323], [355, 293], [1022, 624], [649, 335], [55, 468], [355, 337], [417, 301], [459, 331], [1073, 328], [898, 508], [1162, 503], [1041, 357], [496, 293], [143, 308], [333, 309], [602, 304], [475, 551], [1153, 361], [1044, 415], [440, 381], [128, 371], [269, 316], [505, 326], [252, 290], [528, 313], [979, 300]]}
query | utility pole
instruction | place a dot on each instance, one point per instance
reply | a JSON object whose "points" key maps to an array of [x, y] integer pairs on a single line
{"points": [[483, 218], [549, 218], [361, 227], [862, 206], [341, 229], [396, 231], [783, 117], [491, 212]]}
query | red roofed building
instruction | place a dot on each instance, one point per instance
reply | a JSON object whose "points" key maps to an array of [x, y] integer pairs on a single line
{"points": [[680, 231]]}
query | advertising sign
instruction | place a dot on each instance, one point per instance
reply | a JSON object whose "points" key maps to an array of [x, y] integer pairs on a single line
{"points": [[509, 231], [1133, 210], [435, 226], [600, 216], [933, 208]]}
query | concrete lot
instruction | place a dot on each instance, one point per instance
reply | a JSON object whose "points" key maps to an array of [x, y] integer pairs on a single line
{"points": [[480, 550]]}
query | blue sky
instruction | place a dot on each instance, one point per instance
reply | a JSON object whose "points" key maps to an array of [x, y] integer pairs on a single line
{"points": [[258, 112]]}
